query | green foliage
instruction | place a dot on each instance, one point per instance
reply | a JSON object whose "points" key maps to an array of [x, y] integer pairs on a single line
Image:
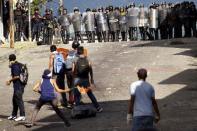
{"points": [[38, 4]]}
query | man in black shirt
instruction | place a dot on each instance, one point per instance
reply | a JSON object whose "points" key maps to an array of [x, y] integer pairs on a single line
{"points": [[81, 69]]}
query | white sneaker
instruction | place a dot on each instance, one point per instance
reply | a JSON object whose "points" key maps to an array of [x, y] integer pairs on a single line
{"points": [[11, 117], [21, 118]]}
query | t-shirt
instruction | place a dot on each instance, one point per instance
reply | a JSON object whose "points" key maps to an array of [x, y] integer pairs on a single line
{"points": [[75, 61], [143, 93], [15, 70]]}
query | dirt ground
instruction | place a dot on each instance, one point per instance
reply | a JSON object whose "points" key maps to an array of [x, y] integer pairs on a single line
{"points": [[171, 70]]}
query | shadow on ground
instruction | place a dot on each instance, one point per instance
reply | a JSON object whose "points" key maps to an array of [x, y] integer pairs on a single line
{"points": [[183, 103]]}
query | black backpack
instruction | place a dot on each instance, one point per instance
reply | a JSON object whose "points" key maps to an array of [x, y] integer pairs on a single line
{"points": [[82, 67], [83, 111], [23, 73]]}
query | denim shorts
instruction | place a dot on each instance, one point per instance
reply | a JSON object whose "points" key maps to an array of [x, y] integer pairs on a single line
{"points": [[141, 122]]}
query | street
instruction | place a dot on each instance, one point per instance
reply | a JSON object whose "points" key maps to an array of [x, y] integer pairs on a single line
{"points": [[171, 70]]}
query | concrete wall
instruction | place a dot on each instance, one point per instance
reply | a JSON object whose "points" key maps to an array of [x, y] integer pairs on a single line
{"points": [[1, 20]]}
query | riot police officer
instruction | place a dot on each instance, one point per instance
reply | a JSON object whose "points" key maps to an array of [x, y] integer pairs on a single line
{"points": [[18, 20], [170, 20], [48, 27], [143, 21], [193, 18], [117, 18], [153, 23], [107, 32], [36, 24], [178, 23], [112, 24], [94, 11], [133, 22], [65, 22], [76, 21], [123, 24], [102, 26], [163, 21], [89, 25]]}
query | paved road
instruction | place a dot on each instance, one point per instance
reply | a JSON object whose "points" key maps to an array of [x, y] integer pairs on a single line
{"points": [[172, 71]]}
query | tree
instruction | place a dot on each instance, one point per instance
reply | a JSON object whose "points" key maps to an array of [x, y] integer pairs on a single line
{"points": [[38, 4]]}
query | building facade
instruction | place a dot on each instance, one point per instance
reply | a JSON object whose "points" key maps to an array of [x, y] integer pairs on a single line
{"points": [[1, 21]]}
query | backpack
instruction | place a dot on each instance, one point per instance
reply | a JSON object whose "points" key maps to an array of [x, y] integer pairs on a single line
{"points": [[83, 111], [23, 73], [59, 63], [82, 67], [69, 59]]}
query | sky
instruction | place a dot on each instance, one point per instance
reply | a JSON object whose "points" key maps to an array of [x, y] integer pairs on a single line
{"points": [[83, 4]]}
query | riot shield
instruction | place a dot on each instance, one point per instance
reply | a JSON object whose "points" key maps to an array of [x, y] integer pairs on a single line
{"points": [[76, 21], [101, 22], [112, 21], [64, 20], [133, 17], [123, 19], [123, 22], [143, 17], [153, 18], [88, 20], [163, 15]]}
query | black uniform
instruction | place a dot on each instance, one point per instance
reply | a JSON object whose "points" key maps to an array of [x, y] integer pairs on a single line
{"points": [[19, 21], [48, 20], [163, 23], [178, 24], [170, 19], [193, 18], [37, 25]]}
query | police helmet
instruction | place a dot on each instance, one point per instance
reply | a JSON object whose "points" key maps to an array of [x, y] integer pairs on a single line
{"points": [[18, 4], [170, 4], [107, 8], [36, 9], [132, 4], [111, 8], [163, 3], [47, 10], [75, 44], [141, 6], [93, 10], [76, 9], [116, 8], [88, 9]]}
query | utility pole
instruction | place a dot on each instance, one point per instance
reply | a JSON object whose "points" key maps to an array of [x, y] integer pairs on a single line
{"points": [[61, 7], [29, 14], [11, 24]]}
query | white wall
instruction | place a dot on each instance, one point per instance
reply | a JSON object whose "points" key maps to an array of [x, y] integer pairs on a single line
{"points": [[1, 21]]}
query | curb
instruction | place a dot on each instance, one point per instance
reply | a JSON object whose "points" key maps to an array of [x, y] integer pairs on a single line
{"points": [[20, 46]]}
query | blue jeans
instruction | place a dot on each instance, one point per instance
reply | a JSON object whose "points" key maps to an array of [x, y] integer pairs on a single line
{"points": [[83, 83], [140, 122]]}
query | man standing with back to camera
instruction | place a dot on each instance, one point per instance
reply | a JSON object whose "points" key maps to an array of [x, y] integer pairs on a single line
{"points": [[141, 103]]}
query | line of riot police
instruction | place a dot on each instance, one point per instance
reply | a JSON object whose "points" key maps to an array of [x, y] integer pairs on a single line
{"points": [[153, 23]]}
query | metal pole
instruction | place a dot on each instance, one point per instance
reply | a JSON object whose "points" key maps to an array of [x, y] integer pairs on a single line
{"points": [[11, 24], [29, 12]]}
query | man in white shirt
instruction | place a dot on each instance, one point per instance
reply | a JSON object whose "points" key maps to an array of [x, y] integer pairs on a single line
{"points": [[142, 103]]}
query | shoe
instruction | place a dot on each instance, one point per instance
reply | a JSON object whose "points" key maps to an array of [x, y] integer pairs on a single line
{"points": [[99, 109], [69, 106], [11, 117], [29, 125], [21, 118]]}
